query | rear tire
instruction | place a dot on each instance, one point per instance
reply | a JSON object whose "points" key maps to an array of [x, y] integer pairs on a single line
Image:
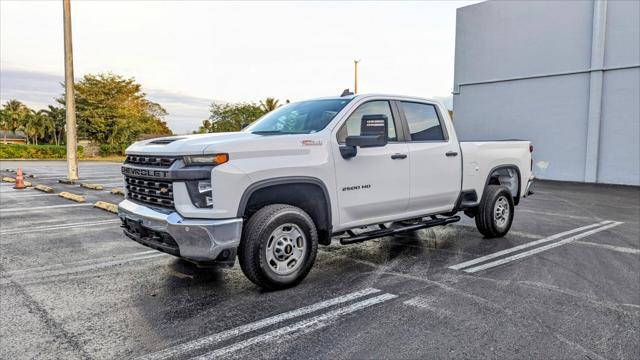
{"points": [[495, 212], [278, 247]]}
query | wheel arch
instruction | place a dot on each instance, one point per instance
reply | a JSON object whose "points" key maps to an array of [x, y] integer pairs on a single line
{"points": [[493, 179], [299, 191]]}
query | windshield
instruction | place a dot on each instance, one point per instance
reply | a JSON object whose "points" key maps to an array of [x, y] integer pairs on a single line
{"points": [[304, 117]]}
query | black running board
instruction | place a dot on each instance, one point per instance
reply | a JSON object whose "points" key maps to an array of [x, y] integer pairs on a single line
{"points": [[387, 232]]}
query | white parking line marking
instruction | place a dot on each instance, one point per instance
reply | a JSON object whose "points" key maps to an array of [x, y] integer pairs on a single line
{"points": [[87, 178], [8, 196], [78, 269], [77, 263], [243, 329], [553, 214], [305, 326], [609, 247], [56, 227], [540, 249], [427, 305], [524, 246], [41, 208]]}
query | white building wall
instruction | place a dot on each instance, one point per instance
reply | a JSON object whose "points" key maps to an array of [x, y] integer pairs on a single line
{"points": [[564, 74]]}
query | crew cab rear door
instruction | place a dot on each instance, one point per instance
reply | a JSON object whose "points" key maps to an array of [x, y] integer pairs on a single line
{"points": [[374, 184], [434, 157]]}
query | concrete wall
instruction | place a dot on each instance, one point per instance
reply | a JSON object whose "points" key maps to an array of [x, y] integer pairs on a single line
{"points": [[563, 74]]}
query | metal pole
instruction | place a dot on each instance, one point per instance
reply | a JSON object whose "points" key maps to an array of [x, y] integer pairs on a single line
{"points": [[355, 76], [72, 156]]}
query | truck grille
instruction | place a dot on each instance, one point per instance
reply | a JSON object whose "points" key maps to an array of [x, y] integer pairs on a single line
{"points": [[154, 192], [159, 161]]}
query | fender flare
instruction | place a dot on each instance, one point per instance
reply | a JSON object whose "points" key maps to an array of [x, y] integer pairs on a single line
{"points": [[506, 166], [251, 189]]}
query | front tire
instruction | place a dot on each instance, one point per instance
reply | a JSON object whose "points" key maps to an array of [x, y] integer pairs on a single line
{"points": [[278, 247], [495, 212]]}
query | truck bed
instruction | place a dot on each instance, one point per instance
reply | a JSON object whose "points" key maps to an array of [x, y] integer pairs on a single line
{"points": [[480, 158]]}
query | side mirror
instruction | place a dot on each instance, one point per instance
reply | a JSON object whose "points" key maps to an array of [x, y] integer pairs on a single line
{"points": [[366, 140], [373, 133]]}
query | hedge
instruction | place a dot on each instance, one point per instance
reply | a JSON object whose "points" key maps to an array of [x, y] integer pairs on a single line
{"points": [[16, 151], [112, 149]]}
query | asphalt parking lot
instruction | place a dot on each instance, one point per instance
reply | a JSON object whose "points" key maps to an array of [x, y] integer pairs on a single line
{"points": [[564, 283]]}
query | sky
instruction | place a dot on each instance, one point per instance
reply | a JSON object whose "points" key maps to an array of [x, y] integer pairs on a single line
{"points": [[187, 54]]}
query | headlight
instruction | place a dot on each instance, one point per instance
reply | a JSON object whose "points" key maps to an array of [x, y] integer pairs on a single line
{"points": [[213, 159]]}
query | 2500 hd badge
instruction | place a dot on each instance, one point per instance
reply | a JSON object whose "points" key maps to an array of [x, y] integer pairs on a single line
{"points": [[356, 187]]}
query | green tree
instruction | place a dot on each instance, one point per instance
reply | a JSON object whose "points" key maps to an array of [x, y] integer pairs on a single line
{"points": [[269, 104], [14, 114], [36, 125], [231, 117], [206, 127], [111, 109], [57, 117]]}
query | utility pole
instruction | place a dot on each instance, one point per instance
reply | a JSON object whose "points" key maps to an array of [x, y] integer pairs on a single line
{"points": [[355, 76], [72, 148]]}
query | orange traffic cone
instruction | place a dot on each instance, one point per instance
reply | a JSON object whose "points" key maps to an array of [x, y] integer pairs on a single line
{"points": [[19, 180]]}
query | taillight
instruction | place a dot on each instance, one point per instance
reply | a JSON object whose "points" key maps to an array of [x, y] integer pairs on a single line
{"points": [[531, 151]]}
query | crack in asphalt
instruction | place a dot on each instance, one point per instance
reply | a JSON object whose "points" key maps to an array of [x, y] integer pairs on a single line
{"points": [[53, 326]]}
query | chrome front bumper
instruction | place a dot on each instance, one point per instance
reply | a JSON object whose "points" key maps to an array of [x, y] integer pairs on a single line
{"points": [[199, 240]]}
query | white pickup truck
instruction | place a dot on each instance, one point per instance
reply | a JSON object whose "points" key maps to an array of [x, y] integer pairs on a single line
{"points": [[352, 168]]}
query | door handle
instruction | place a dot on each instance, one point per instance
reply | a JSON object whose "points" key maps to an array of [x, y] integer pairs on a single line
{"points": [[399, 156], [452, 153]]}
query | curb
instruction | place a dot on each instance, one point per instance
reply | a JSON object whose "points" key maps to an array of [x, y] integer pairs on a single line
{"points": [[71, 196], [113, 208], [44, 188], [91, 186], [8, 179], [67, 181], [117, 191], [27, 184]]}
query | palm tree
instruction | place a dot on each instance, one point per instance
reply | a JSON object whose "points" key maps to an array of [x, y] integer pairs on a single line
{"points": [[269, 104], [57, 117], [36, 125], [13, 115]]}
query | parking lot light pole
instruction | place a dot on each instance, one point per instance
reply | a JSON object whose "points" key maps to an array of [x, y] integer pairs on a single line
{"points": [[72, 148], [355, 76]]}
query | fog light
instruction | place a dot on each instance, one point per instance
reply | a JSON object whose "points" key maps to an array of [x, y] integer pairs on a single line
{"points": [[204, 186]]}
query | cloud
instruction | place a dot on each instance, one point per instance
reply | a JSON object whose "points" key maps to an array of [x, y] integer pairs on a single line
{"points": [[38, 90]]}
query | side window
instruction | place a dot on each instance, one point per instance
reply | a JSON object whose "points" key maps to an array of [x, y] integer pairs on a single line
{"points": [[351, 127], [423, 121]]}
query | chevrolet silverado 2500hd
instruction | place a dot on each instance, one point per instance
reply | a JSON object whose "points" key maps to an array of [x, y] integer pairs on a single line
{"points": [[354, 167]]}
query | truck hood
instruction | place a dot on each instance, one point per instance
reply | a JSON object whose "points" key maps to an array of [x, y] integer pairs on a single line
{"points": [[185, 144], [230, 142]]}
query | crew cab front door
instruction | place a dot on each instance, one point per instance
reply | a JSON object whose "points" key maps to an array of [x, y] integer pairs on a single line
{"points": [[373, 185]]}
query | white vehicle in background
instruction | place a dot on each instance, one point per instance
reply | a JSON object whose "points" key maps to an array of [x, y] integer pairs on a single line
{"points": [[354, 167]]}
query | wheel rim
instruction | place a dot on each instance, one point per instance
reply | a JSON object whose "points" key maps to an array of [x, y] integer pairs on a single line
{"points": [[501, 211], [286, 249]]}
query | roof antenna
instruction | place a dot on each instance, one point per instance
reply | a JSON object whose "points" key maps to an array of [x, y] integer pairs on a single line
{"points": [[346, 92]]}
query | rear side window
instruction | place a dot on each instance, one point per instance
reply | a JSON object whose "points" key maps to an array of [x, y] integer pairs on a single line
{"points": [[351, 127], [424, 123]]}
